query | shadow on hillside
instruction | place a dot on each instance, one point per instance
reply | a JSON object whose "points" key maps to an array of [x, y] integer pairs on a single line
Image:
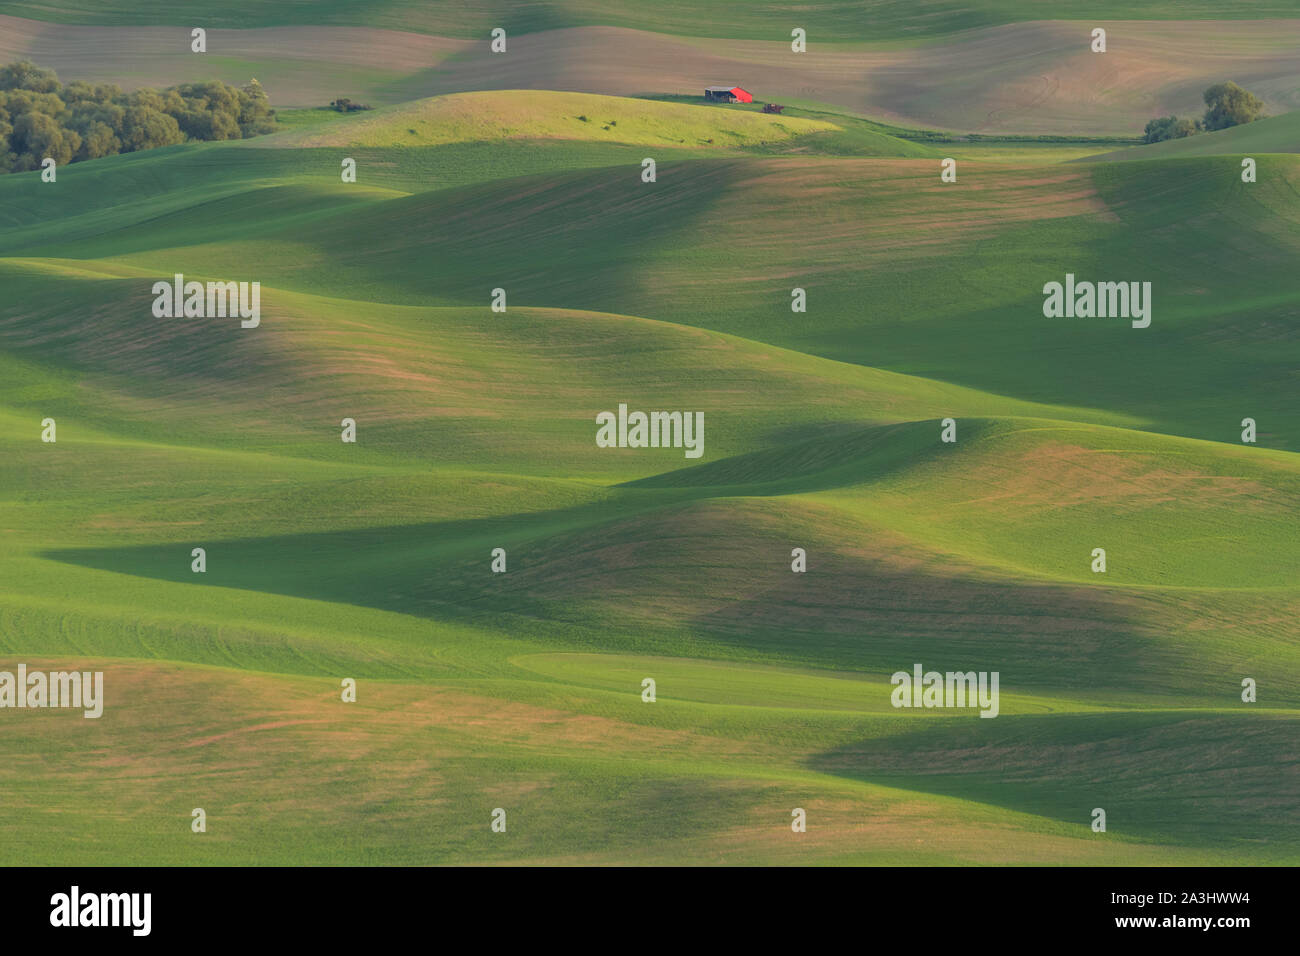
{"points": [[1193, 779], [838, 455], [664, 572]]}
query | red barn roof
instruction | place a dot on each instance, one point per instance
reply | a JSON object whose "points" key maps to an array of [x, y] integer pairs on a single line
{"points": [[742, 95]]}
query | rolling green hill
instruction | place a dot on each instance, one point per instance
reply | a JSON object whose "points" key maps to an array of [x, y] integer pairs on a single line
{"points": [[476, 430], [531, 114], [902, 272]]}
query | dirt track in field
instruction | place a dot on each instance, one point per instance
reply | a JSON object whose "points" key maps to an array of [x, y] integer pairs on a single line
{"points": [[1036, 77]]}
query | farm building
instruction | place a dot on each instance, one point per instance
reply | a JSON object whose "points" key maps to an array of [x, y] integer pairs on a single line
{"points": [[728, 94]]}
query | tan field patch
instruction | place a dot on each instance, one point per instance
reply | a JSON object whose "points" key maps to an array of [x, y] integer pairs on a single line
{"points": [[886, 827], [869, 207], [267, 754], [1032, 77], [244, 720], [896, 829], [1056, 474], [303, 66]]}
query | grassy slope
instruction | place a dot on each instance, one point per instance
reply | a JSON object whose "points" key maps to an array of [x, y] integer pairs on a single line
{"points": [[544, 115], [327, 560]]}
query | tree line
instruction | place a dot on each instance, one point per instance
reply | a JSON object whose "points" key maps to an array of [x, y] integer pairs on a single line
{"points": [[42, 118], [1226, 104]]}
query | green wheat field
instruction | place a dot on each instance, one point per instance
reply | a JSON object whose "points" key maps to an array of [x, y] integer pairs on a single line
{"points": [[476, 430]]}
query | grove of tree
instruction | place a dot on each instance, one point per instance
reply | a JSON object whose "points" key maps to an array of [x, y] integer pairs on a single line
{"points": [[41, 118]]}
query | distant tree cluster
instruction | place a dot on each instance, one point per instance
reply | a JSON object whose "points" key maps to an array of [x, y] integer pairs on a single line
{"points": [[345, 105], [40, 117], [1170, 127], [1227, 104]]}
